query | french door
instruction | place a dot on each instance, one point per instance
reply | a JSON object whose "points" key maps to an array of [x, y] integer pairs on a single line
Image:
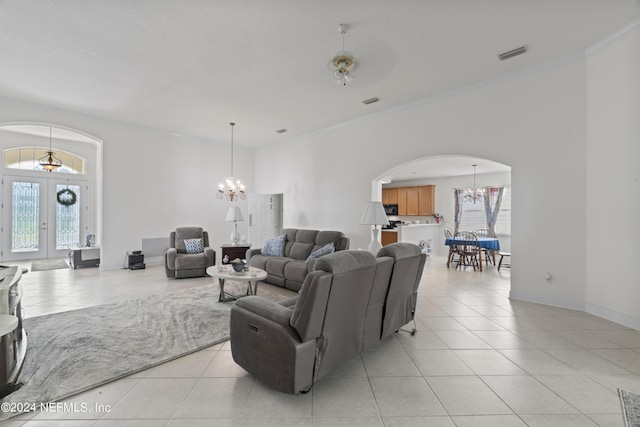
{"points": [[41, 217]]}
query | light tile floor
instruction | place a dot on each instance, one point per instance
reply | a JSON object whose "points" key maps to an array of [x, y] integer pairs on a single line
{"points": [[478, 359]]}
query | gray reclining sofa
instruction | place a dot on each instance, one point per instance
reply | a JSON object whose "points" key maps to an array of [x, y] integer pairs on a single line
{"points": [[347, 303], [290, 270]]}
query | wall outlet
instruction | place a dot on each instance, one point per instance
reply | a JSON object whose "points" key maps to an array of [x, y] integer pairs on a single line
{"points": [[547, 277]]}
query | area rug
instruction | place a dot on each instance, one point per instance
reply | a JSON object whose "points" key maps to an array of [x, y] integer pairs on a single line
{"points": [[630, 407], [74, 351], [49, 264]]}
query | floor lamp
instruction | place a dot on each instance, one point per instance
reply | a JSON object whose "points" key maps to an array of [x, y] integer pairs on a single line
{"points": [[375, 215]]}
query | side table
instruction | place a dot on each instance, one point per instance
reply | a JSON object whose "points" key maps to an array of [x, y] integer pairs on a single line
{"points": [[234, 251]]}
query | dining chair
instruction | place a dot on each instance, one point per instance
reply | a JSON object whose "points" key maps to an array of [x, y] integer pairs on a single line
{"points": [[452, 248], [466, 243], [489, 255]]}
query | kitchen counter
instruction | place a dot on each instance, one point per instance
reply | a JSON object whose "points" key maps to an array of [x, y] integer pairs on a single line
{"points": [[414, 233]]}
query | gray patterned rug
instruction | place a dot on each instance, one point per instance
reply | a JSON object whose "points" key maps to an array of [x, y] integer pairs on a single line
{"points": [[630, 407], [74, 351]]}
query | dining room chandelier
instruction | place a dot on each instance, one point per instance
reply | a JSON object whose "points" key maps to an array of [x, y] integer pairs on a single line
{"points": [[49, 161], [472, 194], [232, 189], [343, 62]]}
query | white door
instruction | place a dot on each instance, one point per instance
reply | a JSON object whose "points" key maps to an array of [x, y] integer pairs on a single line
{"points": [[41, 217], [265, 217]]}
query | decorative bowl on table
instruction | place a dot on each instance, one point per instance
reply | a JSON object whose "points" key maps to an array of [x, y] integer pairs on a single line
{"points": [[238, 265]]}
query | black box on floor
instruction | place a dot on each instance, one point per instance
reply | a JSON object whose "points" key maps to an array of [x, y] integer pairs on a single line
{"points": [[134, 260]]}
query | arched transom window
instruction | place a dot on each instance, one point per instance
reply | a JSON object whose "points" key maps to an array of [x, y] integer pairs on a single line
{"points": [[26, 158]]}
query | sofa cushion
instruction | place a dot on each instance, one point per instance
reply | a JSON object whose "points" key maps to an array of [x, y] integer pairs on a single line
{"points": [[193, 246], [275, 265], [185, 262], [183, 233], [274, 246], [324, 250], [300, 244], [328, 236], [296, 271]]}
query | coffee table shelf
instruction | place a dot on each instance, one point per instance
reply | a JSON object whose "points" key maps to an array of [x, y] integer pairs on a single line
{"points": [[251, 277]]}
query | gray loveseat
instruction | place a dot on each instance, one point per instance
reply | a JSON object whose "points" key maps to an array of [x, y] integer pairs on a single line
{"points": [[349, 302], [290, 270]]}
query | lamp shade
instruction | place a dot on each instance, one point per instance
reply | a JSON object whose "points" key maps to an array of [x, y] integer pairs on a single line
{"points": [[234, 214], [374, 214]]}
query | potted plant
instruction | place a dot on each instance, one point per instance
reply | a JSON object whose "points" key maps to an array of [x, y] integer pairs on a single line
{"points": [[437, 216]]}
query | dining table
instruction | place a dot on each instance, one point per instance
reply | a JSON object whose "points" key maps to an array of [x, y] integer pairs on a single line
{"points": [[486, 243]]}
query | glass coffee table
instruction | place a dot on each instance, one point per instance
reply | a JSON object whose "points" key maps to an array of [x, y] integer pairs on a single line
{"points": [[251, 277]]}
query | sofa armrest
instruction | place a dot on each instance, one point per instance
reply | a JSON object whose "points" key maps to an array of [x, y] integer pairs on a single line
{"points": [[211, 255], [170, 257], [267, 309], [252, 252]]}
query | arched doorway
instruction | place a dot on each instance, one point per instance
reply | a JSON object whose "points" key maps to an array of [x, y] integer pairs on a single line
{"points": [[447, 173], [44, 213]]}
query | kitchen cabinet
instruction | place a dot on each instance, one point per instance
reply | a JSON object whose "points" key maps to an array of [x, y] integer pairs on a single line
{"points": [[411, 201], [402, 201], [389, 237], [390, 196], [426, 200]]}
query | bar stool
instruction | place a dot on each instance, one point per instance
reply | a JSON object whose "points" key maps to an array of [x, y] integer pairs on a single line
{"points": [[502, 255]]}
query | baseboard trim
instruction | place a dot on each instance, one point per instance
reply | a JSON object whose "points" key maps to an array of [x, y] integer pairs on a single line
{"points": [[527, 297], [614, 316]]}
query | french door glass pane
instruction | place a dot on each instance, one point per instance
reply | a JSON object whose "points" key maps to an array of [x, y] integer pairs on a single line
{"points": [[68, 219], [25, 223]]}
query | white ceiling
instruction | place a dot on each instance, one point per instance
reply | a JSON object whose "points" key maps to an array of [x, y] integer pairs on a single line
{"points": [[192, 66]]}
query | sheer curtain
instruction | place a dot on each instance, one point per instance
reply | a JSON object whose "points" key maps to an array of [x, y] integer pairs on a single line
{"points": [[458, 199], [492, 199]]}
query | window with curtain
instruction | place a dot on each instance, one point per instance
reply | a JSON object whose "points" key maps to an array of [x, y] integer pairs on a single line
{"points": [[473, 214]]}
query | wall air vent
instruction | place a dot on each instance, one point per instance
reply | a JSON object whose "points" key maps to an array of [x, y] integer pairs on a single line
{"points": [[281, 131], [370, 101], [514, 52]]}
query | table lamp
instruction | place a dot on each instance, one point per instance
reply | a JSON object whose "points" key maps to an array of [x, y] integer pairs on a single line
{"points": [[234, 214], [374, 215]]}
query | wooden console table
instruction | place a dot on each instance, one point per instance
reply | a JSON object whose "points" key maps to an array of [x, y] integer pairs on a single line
{"points": [[234, 251]]}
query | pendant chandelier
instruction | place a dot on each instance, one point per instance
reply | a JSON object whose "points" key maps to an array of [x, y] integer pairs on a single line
{"points": [[342, 62], [49, 161], [473, 193], [232, 189]]}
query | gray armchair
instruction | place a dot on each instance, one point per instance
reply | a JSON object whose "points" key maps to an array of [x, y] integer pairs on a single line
{"points": [[290, 347], [179, 263]]}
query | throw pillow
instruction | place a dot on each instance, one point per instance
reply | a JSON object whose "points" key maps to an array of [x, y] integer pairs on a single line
{"points": [[274, 246], [194, 246], [325, 250]]}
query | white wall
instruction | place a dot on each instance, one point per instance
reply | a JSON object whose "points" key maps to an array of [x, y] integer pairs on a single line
{"points": [[613, 199], [153, 181], [532, 122]]}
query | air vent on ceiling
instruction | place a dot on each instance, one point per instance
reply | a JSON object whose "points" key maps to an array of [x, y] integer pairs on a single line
{"points": [[511, 53], [370, 101], [281, 131]]}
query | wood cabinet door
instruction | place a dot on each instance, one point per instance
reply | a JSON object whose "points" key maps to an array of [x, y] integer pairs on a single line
{"points": [[412, 200], [389, 237], [402, 201], [426, 200], [390, 196]]}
